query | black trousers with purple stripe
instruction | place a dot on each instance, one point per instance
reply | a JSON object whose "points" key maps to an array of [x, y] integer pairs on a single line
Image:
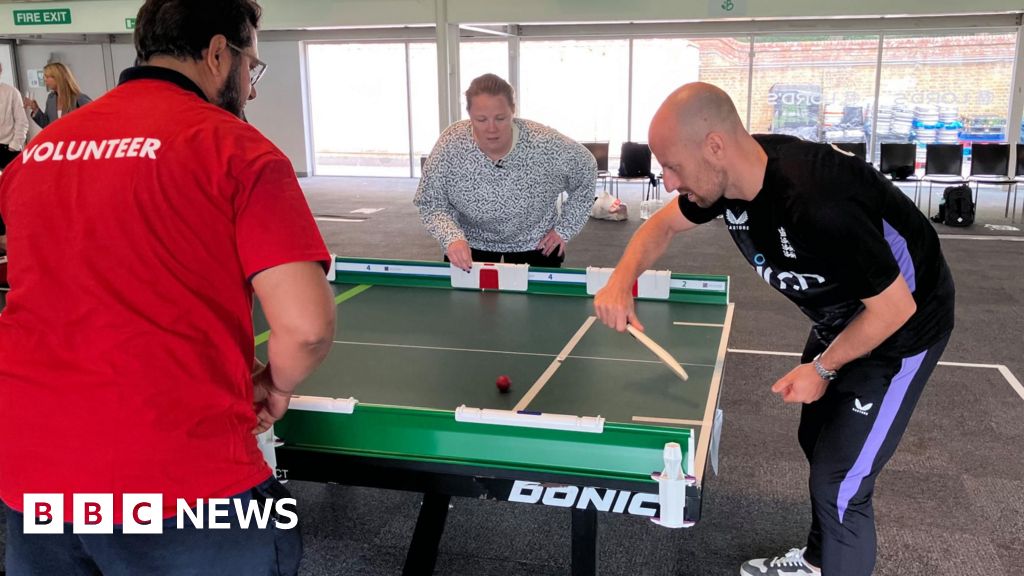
{"points": [[848, 436]]}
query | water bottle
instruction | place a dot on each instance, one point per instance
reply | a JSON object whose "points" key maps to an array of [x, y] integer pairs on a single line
{"points": [[645, 209]]}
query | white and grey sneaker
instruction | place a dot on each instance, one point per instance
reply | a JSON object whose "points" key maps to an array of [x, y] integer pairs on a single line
{"points": [[792, 564]]}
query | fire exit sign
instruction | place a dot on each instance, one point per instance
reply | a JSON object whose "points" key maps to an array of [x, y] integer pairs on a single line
{"points": [[48, 16]]}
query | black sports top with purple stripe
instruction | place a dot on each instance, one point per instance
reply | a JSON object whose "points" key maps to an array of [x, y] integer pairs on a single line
{"points": [[827, 231]]}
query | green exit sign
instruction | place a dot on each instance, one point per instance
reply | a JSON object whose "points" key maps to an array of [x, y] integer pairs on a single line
{"points": [[49, 16], [129, 23]]}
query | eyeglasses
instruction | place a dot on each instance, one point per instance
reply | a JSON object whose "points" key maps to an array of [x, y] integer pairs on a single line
{"points": [[256, 69]]}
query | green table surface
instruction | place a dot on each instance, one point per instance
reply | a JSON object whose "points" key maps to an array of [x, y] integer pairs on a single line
{"points": [[411, 355]]}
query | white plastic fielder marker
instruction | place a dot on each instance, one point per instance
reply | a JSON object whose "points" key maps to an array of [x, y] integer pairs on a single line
{"points": [[672, 485]]}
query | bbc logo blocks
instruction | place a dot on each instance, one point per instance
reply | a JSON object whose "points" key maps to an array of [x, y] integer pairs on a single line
{"points": [[144, 514], [93, 514]]}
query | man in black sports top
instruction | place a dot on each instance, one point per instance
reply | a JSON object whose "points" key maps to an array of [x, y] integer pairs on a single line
{"points": [[848, 248]]}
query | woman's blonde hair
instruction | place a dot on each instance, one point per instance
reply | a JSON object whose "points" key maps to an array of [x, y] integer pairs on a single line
{"points": [[67, 87]]}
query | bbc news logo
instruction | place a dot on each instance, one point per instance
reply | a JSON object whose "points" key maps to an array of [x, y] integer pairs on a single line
{"points": [[143, 514]]}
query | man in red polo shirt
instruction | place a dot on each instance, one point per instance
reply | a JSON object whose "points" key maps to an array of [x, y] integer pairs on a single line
{"points": [[139, 229]]}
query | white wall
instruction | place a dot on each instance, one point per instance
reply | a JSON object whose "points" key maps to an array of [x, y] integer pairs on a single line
{"points": [[84, 60], [123, 56], [279, 108]]}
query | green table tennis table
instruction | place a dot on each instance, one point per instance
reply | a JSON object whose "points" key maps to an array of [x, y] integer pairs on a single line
{"points": [[404, 398]]}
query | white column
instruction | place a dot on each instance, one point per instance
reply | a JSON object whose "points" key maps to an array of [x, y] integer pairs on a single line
{"points": [[454, 85], [513, 57], [443, 63]]}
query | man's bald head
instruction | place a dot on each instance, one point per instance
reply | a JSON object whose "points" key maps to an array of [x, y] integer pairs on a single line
{"points": [[696, 109], [703, 149]]}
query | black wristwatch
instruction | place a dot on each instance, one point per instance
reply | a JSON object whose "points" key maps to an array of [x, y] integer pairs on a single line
{"points": [[825, 374]]}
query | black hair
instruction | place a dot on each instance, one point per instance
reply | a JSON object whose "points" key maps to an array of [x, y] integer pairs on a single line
{"points": [[183, 28]]}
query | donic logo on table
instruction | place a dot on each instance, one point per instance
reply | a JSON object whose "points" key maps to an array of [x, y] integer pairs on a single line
{"points": [[734, 222], [601, 499]]}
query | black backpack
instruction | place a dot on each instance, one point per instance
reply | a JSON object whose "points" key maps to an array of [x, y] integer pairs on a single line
{"points": [[957, 206]]}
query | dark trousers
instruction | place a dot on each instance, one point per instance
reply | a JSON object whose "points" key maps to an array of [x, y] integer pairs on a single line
{"points": [[186, 552], [6, 156], [848, 436], [533, 258]]}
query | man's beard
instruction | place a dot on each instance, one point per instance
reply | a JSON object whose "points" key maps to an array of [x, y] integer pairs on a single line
{"points": [[230, 97]]}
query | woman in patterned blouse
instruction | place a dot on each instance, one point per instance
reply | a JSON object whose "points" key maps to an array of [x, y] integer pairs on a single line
{"points": [[490, 188]]}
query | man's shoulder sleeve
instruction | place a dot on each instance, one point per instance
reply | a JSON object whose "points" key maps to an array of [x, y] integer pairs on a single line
{"points": [[274, 224], [695, 213]]}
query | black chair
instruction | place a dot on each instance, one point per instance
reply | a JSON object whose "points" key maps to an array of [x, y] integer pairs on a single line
{"points": [[858, 149], [943, 163], [897, 160], [635, 164], [600, 152], [990, 164]]}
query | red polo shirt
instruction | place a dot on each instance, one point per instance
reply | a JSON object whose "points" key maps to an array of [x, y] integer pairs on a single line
{"points": [[134, 228]]}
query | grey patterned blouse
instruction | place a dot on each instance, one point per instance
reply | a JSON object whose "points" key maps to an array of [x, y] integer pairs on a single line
{"points": [[505, 206]]}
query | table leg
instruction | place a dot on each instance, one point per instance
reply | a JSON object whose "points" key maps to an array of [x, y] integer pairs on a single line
{"points": [[584, 542], [422, 555]]}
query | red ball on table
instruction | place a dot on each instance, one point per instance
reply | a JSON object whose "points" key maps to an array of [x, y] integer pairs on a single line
{"points": [[503, 383]]}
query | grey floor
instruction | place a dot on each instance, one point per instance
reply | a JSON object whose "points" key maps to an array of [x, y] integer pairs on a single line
{"points": [[950, 503]]}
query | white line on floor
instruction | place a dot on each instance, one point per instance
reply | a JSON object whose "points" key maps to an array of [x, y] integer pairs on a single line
{"points": [[1001, 368], [1012, 380], [338, 219], [762, 352], [705, 324], [970, 237]]}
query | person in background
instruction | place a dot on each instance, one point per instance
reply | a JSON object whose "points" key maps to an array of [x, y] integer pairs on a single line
{"points": [[127, 344], [13, 131], [491, 186], [13, 123], [64, 95]]}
